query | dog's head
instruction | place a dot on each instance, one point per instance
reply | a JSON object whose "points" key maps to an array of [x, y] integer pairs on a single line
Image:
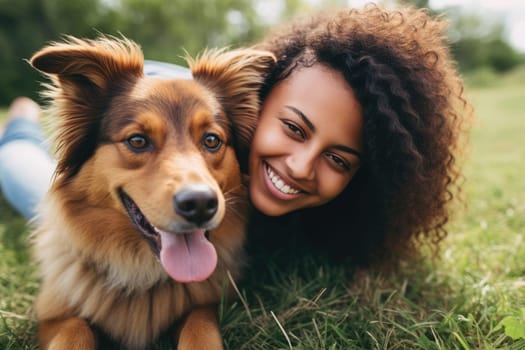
{"points": [[157, 155]]}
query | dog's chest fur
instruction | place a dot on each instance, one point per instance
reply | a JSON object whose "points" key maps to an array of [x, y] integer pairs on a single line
{"points": [[132, 301]]}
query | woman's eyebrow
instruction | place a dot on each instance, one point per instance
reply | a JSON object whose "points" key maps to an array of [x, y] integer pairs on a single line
{"points": [[303, 117]]}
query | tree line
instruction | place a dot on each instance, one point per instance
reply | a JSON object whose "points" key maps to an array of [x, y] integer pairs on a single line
{"points": [[167, 29]]}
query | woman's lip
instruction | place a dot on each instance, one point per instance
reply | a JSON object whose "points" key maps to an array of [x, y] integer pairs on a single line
{"points": [[273, 187]]}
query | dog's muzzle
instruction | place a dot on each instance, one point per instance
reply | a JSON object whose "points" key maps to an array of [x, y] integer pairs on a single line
{"points": [[186, 254]]}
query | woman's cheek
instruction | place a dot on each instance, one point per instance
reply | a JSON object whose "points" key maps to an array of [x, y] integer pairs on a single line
{"points": [[268, 138]]}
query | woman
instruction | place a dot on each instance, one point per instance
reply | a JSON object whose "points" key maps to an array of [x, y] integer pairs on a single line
{"points": [[398, 66], [359, 133]]}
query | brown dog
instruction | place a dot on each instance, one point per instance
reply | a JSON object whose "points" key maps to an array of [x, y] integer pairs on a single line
{"points": [[146, 213]]}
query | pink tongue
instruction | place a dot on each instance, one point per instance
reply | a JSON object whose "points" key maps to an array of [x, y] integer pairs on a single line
{"points": [[187, 257]]}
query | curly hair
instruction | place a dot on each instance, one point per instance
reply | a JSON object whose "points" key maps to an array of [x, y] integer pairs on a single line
{"points": [[398, 63]]}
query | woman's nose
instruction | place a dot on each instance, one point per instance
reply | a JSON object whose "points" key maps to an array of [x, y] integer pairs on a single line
{"points": [[301, 165]]}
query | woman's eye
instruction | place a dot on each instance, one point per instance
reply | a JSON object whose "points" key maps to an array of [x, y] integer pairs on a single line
{"points": [[338, 161], [138, 143], [211, 142], [293, 129]]}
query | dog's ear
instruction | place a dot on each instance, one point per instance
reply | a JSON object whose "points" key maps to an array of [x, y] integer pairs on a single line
{"points": [[84, 75], [89, 66], [236, 78]]}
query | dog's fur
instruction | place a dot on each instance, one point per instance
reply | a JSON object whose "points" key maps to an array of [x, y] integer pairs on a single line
{"points": [[127, 145]]}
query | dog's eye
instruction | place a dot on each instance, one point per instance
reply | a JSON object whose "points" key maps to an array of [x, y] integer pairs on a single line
{"points": [[138, 142], [211, 142]]}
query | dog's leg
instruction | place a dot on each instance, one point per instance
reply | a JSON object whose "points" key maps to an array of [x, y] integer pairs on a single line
{"points": [[71, 333], [200, 330]]}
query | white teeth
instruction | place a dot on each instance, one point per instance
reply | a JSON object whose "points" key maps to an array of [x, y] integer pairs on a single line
{"points": [[279, 183]]}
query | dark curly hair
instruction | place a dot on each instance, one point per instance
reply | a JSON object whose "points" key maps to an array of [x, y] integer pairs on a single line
{"points": [[398, 63]]}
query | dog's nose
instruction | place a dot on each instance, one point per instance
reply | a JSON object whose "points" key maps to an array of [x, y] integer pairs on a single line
{"points": [[196, 203]]}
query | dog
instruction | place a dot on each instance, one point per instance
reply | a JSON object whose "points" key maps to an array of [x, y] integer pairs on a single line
{"points": [[145, 217]]}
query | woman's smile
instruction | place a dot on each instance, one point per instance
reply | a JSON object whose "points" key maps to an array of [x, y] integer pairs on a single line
{"points": [[279, 187]]}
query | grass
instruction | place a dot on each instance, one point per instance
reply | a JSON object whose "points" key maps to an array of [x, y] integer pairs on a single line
{"points": [[472, 298]]}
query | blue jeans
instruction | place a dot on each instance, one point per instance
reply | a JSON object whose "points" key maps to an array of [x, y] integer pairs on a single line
{"points": [[26, 167]]}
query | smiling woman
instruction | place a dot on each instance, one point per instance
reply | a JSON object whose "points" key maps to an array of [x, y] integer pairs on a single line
{"points": [[359, 134]]}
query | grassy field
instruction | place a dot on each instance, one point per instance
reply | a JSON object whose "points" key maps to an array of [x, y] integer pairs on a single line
{"points": [[472, 298]]}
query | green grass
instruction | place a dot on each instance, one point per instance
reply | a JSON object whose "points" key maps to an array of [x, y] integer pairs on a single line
{"points": [[472, 298]]}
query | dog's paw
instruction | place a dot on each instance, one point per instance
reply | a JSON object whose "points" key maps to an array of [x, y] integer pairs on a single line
{"points": [[200, 330], [73, 333]]}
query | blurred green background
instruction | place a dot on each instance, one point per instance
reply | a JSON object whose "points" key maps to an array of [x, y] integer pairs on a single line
{"points": [[473, 298], [167, 28]]}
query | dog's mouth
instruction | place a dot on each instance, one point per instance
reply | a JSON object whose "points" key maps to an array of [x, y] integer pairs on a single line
{"points": [[186, 256]]}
